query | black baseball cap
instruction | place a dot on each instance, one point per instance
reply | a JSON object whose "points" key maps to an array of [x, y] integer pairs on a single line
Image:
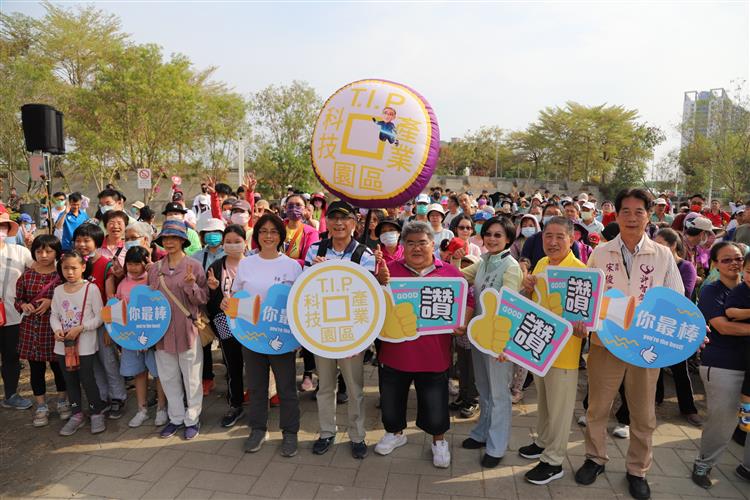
{"points": [[387, 222], [174, 207], [341, 207]]}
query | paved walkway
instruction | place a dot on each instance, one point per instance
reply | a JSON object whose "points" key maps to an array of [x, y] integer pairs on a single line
{"points": [[135, 463]]}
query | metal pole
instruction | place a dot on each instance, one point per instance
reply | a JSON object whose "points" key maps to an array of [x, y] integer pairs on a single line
{"points": [[710, 185], [496, 149], [241, 161]]}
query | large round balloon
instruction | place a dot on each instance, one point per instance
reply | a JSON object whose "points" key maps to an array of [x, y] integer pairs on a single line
{"points": [[375, 143]]}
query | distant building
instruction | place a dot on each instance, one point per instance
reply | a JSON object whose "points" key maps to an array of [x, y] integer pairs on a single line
{"points": [[707, 113]]}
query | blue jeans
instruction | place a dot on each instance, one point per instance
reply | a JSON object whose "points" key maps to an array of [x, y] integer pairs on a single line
{"points": [[492, 379]]}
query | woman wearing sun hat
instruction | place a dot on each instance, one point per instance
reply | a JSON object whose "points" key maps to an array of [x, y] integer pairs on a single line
{"points": [[179, 357]]}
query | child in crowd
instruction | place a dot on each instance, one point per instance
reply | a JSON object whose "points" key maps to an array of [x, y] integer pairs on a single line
{"points": [[34, 290], [738, 309], [88, 238], [139, 364], [75, 317]]}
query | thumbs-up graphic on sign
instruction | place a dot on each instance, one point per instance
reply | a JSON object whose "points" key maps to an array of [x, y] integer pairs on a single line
{"points": [[488, 329], [276, 343], [142, 339], [550, 301], [400, 320], [648, 355]]}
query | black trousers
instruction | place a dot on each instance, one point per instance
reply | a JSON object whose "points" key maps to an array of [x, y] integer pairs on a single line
{"points": [[11, 365], [38, 371], [208, 363], [232, 351], [432, 399], [285, 372], [683, 387], [467, 389], [84, 376], [309, 359]]}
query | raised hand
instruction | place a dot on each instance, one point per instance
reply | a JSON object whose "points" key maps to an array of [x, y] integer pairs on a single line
{"points": [[400, 320], [211, 280], [250, 182], [189, 276], [210, 184], [488, 329]]}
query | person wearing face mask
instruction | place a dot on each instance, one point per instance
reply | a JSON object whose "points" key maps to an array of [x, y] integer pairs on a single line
{"points": [[588, 218], [388, 232], [221, 275], [135, 209], [697, 239], [479, 219], [242, 216], [420, 211], [111, 199], [26, 230], [58, 209], [299, 236], [527, 228], [176, 212], [211, 232]]}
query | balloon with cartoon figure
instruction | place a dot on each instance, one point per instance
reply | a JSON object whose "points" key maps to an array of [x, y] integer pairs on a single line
{"points": [[260, 324], [664, 329], [525, 332], [375, 143], [139, 321]]}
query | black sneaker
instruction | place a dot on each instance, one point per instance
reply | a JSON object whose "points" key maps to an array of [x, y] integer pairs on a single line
{"points": [[638, 487], [232, 416], [544, 473], [469, 410], [341, 398], [742, 473], [531, 452], [490, 462], [322, 445], [359, 450], [456, 405], [116, 409], [471, 444], [588, 472], [702, 475]]}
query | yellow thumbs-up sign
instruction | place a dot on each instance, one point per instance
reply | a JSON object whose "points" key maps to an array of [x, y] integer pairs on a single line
{"points": [[488, 329], [550, 301], [400, 320]]}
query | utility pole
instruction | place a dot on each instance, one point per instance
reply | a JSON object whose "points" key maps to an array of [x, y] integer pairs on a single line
{"points": [[241, 161]]}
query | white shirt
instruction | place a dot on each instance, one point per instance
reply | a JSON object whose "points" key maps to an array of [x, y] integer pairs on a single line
{"points": [[66, 314], [14, 258], [256, 274]]}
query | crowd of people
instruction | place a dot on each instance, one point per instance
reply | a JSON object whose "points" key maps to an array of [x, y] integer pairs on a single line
{"points": [[55, 280]]}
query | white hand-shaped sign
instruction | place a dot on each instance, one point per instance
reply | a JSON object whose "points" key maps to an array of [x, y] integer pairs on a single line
{"points": [[648, 355], [276, 343]]}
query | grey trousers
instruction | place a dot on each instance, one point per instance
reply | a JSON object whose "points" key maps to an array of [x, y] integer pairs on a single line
{"points": [[107, 370], [256, 376], [495, 406], [723, 388], [354, 374]]}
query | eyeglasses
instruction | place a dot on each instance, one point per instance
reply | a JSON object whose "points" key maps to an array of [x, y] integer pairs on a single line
{"points": [[417, 244], [465, 228], [495, 235], [268, 232], [337, 218], [738, 260]]}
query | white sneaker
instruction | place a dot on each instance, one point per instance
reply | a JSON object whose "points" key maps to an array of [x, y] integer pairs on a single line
{"points": [[161, 417], [389, 442], [41, 416], [453, 388], [138, 419], [441, 454], [621, 431], [582, 420]]}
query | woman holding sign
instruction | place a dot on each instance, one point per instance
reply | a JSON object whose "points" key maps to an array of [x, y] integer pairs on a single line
{"points": [[179, 355], [556, 390], [257, 274], [496, 269]]}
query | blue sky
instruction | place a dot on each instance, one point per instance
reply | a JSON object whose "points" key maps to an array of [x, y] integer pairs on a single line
{"points": [[478, 63]]}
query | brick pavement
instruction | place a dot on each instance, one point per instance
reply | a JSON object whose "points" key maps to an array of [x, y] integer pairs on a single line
{"points": [[135, 463]]}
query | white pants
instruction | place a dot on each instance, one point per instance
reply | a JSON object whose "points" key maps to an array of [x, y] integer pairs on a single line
{"points": [[180, 370]]}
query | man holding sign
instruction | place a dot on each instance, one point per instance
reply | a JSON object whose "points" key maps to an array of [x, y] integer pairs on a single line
{"points": [[424, 360], [632, 264], [557, 389]]}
